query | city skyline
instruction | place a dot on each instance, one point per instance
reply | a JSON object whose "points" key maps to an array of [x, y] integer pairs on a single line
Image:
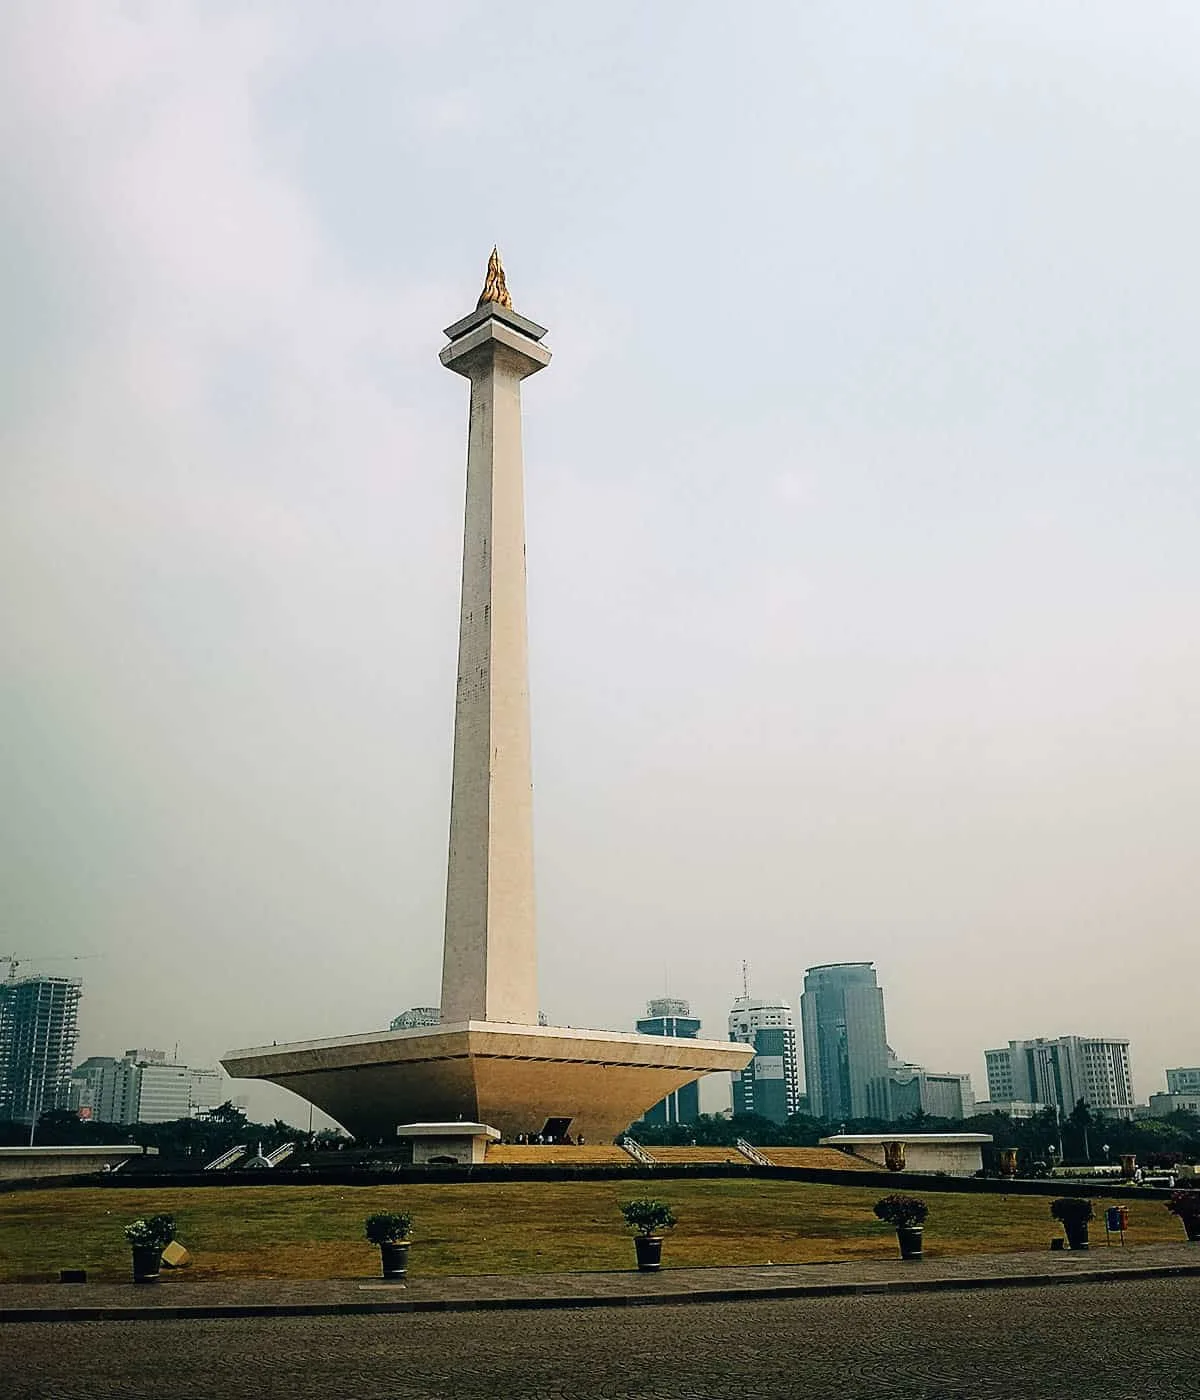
{"points": [[876, 643], [109, 1078], [715, 1094]]}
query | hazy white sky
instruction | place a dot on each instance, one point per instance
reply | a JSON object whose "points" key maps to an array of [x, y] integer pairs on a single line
{"points": [[862, 503]]}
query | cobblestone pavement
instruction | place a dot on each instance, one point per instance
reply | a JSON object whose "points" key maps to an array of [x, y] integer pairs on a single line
{"points": [[1108, 1341]]}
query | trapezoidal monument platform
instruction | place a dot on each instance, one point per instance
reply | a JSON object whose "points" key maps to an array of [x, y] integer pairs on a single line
{"points": [[513, 1078], [489, 1061]]}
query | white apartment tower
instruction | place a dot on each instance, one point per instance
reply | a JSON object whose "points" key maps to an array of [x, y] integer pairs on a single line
{"points": [[1062, 1071], [770, 1084], [142, 1087]]}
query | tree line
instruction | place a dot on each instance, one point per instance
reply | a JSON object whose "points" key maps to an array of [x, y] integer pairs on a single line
{"points": [[1078, 1138], [198, 1140]]}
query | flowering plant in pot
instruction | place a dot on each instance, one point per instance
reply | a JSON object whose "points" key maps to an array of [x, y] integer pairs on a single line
{"points": [[148, 1237], [907, 1214], [649, 1219], [390, 1230], [1073, 1214], [1186, 1205]]}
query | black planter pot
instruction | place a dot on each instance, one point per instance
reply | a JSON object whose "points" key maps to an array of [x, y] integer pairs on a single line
{"points": [[1077, 1234], [1191, 1223], [911, 1238], [146, 1263], [649, 1252], [394, 1258]]}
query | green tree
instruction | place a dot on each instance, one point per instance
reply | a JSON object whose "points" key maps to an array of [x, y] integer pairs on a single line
{"points": [[228, 1112], [1082, 1118]]}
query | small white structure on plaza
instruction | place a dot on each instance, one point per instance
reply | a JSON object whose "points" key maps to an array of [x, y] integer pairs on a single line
{"points": [[447, 1144], [948, 1154]]}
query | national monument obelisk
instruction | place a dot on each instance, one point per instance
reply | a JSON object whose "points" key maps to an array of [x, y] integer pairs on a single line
{"points": [[489, 964], [489, 1061]]}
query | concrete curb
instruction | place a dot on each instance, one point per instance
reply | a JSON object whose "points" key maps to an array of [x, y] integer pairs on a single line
{"points": [[589, 1300]]}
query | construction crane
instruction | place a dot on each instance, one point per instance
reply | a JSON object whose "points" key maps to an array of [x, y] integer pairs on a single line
{"points": [[14, 960]]}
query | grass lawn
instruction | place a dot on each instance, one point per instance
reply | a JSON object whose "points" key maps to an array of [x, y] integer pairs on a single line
{"points": [[511, 1227]]}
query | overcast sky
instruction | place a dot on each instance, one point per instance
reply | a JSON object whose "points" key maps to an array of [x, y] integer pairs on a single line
{"points": [[862, 505]]}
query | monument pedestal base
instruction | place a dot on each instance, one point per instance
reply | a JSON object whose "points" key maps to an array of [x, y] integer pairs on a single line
{"points": [[512, 1077]]}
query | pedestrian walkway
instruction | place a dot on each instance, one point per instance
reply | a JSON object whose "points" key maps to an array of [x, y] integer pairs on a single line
{"points": [[178, 1296]]}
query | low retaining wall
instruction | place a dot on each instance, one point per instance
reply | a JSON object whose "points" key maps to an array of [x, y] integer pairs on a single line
{"points": [[908, 1182], [19, 1164]]}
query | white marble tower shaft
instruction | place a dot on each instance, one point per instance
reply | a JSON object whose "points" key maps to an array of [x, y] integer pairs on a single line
{"points": [[489, 968]]}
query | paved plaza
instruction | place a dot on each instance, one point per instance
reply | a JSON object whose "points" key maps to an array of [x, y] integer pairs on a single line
{"points": [[1082, 1341], [181, 1295]]}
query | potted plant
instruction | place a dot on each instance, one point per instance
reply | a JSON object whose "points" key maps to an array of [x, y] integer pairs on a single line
{"points": [[1186, 1205], [390, 1231], [649, 1219], [1073, 1214], [907, 1214], [148, 1238]]}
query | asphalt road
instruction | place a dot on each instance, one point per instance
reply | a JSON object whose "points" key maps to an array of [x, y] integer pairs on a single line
{"points": [[1133, 1341]]}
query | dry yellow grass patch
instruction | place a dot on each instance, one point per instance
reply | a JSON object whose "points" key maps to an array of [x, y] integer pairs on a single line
{"points": [[510, 1227], [507, 1153], [827, 1158], [696, 1156]]}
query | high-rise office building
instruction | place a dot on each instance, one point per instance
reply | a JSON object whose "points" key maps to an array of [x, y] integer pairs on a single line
{"points": [[913, 1089], [672, 1016], [1182, 1096], [1163, 1105], [845, 1042], [142, 1087], [168, 1091], [104, 1089], [1062, 1071], [1183, 1081], [1001, 1080], [770, 1084], [39, 1028]]}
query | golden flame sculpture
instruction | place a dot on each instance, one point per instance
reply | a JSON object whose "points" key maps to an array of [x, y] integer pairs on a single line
{"points": [[495, 288]]}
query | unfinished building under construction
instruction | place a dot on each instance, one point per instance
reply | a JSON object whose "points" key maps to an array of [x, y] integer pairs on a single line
{"points": [[39, 1027]]}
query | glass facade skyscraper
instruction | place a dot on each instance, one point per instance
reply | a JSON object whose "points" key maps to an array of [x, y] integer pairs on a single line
{"points": [[672, 1016], [845, 1042]]}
